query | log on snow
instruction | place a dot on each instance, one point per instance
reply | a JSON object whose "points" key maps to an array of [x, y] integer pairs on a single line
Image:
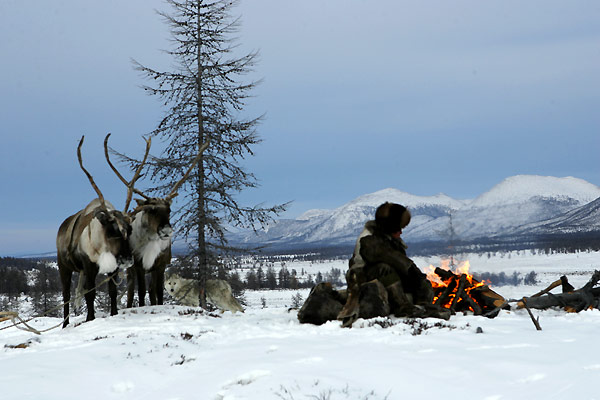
{"points": [[578, 300]]}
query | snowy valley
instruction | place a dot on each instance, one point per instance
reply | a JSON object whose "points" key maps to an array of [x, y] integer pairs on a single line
{"points": [[178, 353]]}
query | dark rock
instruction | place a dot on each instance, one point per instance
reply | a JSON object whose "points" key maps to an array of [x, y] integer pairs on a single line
{"points": [[323, 304]]}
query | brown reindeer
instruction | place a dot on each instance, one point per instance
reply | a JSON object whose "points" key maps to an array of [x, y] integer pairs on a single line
{"points": [[150, 239], [94, 240]]}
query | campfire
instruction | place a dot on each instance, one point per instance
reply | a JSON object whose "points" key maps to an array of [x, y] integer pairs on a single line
{"points": [[456, 289]]}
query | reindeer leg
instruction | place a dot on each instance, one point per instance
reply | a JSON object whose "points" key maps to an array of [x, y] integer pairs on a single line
{"points": [[90, 296], [152, 289], [141, 281], [65, 278], [159, 278], [130, 285], [112, 292], [156, 287]]}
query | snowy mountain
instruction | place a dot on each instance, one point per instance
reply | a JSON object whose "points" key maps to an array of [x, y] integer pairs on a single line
{"points": [[521, 200], [513, 204], [521, 188], [340, 226], [580, 220]]}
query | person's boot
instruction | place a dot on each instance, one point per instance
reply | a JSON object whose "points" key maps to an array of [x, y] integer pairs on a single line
{"points": [[424, 294], [424, 298], [350, 311], [400, 305]]}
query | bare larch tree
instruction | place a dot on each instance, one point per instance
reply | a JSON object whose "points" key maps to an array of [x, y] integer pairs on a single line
{"points": [[205, 96]]}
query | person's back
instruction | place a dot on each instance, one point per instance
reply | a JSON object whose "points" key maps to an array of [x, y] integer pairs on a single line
{"points": [[380, 254]]}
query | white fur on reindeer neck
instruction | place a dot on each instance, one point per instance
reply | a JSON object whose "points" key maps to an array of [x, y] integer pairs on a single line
{"points": [[94, 244], [148, 245]]}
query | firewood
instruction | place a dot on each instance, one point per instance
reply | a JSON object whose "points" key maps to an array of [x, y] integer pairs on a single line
{"points": [[462, 294], [486, 297], [494, 312], [446, 293], [592, 282], [471, 303], [578, 300], [563, 281], [548, 289], [566, 286], [445, 274], [459, 291]]}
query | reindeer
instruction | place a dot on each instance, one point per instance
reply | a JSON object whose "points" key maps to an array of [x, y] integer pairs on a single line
{"points": [[94, 240], [150, 239]]}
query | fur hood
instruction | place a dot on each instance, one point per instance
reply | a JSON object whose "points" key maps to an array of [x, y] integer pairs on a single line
{"points": [[371, 229]]}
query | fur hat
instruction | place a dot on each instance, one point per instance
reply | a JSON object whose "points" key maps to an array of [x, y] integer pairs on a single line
{"points": [[392, 217]]}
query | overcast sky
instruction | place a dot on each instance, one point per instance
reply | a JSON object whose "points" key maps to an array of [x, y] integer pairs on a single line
{"points": [[422, 96]]}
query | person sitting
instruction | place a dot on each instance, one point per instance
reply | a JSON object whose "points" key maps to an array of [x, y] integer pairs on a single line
{"points": [[380, 254]]}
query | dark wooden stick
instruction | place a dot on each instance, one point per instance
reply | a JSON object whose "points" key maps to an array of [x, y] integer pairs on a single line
{"points": [[536, 322], [563, 281], [549, 288]]}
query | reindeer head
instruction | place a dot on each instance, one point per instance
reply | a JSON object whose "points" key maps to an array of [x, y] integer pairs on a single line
{"points": [[116, 226], [154, 214], [117, 231]]}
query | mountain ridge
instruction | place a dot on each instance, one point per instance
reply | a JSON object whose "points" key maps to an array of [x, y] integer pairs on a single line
{"points": [[515, 202]]}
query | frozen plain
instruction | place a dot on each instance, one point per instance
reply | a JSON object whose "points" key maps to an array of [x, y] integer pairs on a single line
{"points": [[175, 352]]}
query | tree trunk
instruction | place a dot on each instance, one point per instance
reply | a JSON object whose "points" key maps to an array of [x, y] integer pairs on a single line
{"points": [[202, 251]]}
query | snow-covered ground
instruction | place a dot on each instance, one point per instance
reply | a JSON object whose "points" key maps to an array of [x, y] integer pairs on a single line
{"points": [[174, 352]]}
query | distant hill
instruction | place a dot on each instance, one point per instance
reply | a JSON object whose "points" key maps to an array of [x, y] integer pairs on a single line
{"points": [[520, 206]]}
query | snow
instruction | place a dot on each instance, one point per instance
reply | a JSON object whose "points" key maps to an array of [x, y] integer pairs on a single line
{"points": [[175, 352], [313, 213]]}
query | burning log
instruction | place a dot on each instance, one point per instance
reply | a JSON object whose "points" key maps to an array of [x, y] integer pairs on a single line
{"points": [[461, 292], [487, 297], [445, 274], [472, 304], [442, 298]]}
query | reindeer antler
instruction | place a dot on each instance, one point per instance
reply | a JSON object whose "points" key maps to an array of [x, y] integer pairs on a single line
{"points": [[130, 185], [89, 176], [173, 192]]}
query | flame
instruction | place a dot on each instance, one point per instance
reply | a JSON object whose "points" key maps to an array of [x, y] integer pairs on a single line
{"points": [[448, 265], [434, 278], [439, 285]]}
